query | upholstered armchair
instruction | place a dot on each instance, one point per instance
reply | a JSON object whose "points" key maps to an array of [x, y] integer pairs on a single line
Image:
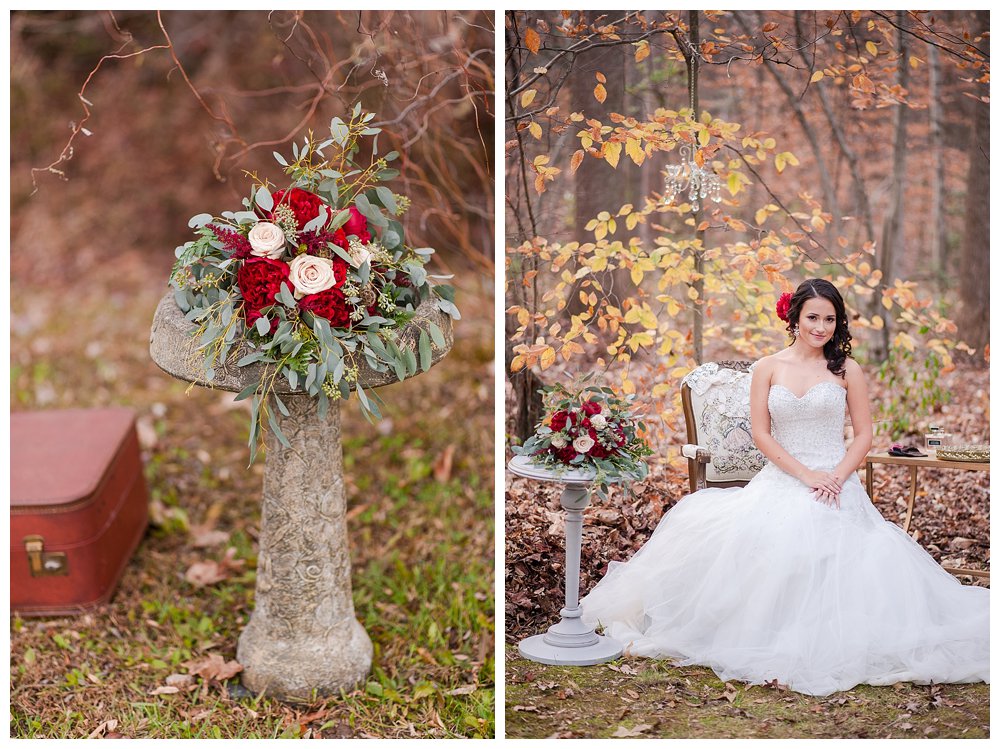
{"points": [[720, 450]]}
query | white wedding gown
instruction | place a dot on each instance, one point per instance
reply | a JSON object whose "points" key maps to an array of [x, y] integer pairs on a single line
{"points": [[764, 582]]}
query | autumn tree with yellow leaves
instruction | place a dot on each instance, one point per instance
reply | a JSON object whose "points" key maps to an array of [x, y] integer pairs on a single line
{"points": [[604, 273]]}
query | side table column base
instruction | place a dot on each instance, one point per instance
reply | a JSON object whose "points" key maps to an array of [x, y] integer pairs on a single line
{"points": [[541, 651]]}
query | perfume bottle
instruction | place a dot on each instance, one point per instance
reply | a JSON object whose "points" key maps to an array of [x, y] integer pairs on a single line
{"points": [[937, 437]]}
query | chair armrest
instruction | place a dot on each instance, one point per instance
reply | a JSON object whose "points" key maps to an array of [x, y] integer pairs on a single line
{"points": [[696, 453]]}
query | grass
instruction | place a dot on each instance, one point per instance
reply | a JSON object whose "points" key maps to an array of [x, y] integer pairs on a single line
{"points": [[651, 699], [421, 546]]}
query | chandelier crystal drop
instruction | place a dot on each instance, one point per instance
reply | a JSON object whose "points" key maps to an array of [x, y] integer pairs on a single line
{"points": [[699, 182]]}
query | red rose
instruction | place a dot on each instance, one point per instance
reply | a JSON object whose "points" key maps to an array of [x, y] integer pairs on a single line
{"points": [[260, 280], [330, 304], [784, 302], [357, 224], [565, 454], [559, 419], [598, 450], [591, 408], [304, 204]]}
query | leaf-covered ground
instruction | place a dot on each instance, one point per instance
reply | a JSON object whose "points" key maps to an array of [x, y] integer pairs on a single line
{"points": [[155, 661], [951, 520]]}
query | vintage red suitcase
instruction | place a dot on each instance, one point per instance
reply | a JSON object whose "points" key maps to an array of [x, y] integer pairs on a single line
{"points": [[78, 507]]}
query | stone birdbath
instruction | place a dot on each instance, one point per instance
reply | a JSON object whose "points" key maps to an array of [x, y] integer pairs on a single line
{"points": [[303, 637], [569, 642]]}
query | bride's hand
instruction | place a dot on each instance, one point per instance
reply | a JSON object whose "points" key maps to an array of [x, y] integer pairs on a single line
{"points": [[823, 481], [827, 498]]}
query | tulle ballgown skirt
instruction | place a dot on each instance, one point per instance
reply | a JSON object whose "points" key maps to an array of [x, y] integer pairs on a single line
{"points": [[763, 582]]}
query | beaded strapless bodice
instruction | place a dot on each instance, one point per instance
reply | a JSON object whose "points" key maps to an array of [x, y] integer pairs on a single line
{"points": [[811, 428]]}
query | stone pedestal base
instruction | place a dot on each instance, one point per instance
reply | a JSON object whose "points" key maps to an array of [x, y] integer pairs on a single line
{"points": [[297, 668]]}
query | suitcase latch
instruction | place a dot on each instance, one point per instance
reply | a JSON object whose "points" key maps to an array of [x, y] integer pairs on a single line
{"points": [[42, 562]]}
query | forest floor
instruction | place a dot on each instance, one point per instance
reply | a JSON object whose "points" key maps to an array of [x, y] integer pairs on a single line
{"points": [[158, 661], [640, 697]]}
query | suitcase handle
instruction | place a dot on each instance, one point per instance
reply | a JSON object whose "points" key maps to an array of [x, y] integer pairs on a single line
{"points": [[44, 563]]}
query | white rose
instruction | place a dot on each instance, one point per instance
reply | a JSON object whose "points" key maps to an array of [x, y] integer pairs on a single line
{"points": [[558, 440], [598, 421], [583, 443], [310, 275], [267, 240]]}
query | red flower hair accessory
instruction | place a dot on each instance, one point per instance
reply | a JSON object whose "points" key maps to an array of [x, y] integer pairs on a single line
{"points": [[784, 302]]}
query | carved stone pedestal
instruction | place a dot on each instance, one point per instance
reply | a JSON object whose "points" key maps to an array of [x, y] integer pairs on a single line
{"points": [[303, 637]]}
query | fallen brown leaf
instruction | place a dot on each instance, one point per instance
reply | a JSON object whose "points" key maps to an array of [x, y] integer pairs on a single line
{"points": [[628, 733], [209, 572], [214, 667], [442, 464]]}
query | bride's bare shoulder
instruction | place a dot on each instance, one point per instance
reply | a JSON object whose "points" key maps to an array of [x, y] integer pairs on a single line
{"points": [[764, 367]]}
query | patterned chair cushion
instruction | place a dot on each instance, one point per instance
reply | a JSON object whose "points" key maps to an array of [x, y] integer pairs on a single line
{"points": [[720, 401]]}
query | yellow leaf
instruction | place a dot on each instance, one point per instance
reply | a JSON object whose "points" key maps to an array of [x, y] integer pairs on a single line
{"points": [[574, 163], [783, 158], [548, 357], [915, 61], [817, 76], [600, 93], [634, 150], [761, 216], [872, 49], [703, 136], [734, 183], [612, 152], [527, 97], [631, 221], [692, 293], [536, 130], [532, 41], [636, 275], [517, 363], [628, 387], [641, 50], [877, 322], [673, 308]]}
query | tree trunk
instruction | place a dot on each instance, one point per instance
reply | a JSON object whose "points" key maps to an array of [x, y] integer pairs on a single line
{"points": [[596, 186], [974, 269], [892, 226], [527, 407], [698, 332], [937, 234]]}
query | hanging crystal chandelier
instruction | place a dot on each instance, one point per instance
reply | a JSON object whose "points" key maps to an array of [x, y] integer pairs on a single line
{"points": [[699, 182]]}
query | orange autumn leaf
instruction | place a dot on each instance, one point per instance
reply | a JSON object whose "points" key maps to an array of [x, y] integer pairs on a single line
{"points": [[600, 93], [532, 41]]}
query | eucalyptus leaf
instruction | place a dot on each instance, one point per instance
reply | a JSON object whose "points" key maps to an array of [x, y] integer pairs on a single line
{"points": [[437, 335], [263, 325], [273, 424], [279, 158], [200, 220], [263, 198], [340, 219], [387, 199], [424, 347]]}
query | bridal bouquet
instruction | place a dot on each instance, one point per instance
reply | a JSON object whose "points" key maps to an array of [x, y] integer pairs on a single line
{"points": [[312, 278], [589, 428]]}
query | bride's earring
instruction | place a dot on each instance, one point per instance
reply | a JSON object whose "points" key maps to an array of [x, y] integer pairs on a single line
{"points": [[795, 331]]}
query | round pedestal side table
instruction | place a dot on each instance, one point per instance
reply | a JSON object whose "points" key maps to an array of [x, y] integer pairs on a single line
{"points": [[570, 642], [302, 638]]}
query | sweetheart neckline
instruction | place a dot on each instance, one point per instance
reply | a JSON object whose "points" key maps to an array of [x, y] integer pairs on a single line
{"points": [[800, 397]]}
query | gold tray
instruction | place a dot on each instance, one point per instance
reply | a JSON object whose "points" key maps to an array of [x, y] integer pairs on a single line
{"points": [[966, 453]]}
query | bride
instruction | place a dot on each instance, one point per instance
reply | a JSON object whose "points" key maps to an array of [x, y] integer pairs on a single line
{"points": [[796, 577]]}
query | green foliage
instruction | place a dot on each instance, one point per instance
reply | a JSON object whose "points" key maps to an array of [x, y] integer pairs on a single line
{"points": [[913, 391]]}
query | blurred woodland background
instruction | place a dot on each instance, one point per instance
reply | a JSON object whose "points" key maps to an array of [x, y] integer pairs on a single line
{"points": [[849, 145], [123, 126]]}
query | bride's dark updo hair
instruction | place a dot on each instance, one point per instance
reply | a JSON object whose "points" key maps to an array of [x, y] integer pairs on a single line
{"points": [[838, 348]]}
